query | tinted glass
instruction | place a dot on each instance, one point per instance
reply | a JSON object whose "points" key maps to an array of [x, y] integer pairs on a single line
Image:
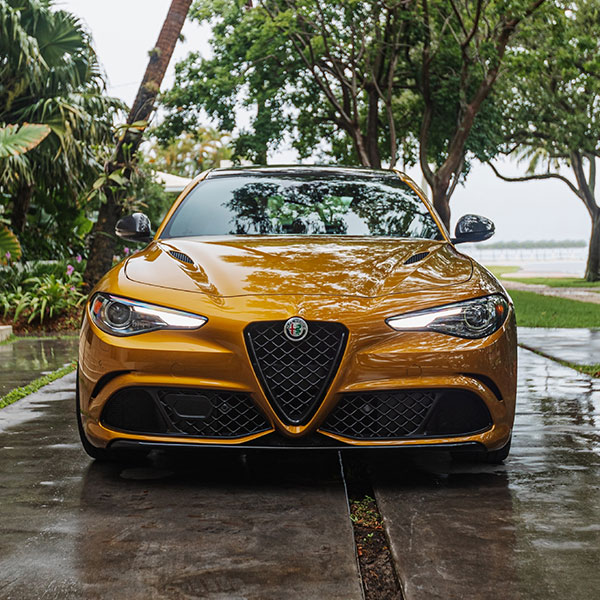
{"points": [[275, 204]]}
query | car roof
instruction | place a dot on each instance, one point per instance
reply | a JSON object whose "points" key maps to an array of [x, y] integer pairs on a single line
{"points": [[301, 171]]}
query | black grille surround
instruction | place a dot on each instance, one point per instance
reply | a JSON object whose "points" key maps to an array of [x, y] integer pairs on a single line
{"points": [[402, 414], [183, 412], [295, 375]]}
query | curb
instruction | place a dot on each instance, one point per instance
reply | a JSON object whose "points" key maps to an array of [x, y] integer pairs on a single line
{"points": [[5, 332]]}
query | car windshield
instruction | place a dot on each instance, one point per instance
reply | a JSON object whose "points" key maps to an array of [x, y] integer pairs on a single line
{"points": [[328, 203]]}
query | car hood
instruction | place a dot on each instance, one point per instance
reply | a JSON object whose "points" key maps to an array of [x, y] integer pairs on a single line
{"points": [[311, 265]]}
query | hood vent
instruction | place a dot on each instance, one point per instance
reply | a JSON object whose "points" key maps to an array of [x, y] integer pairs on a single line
{"points": [[416, 258], [181, 256]]}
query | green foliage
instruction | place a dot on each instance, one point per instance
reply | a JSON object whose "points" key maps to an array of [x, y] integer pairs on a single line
{"points": [[15, 140], [352, 81], [189, 154], [10, 249], [49, 74], [38, 291], [35, 385], [553, 107]]}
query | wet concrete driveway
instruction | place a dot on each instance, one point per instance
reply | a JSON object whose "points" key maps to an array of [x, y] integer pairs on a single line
{"points": [[529, 529], [201, 525], [208, 525], [26, 359]]}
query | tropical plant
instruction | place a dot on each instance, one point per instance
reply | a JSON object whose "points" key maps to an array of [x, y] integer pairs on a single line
{"points": [[49, 74], [15, 140], [10, 249], [103, 241], [46, 294], [191, 152]]}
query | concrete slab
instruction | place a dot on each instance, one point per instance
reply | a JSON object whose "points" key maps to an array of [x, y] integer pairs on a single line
{"points": [[527, 529], [26, 359], [581, 346], [206, 525], [5, 332]]}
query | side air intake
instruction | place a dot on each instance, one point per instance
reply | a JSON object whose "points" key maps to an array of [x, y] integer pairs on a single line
{"points": [[416, 258], [181, 256]]}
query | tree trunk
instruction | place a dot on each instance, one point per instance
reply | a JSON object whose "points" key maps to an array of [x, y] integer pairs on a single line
{"points": [[21, 205], [372, 141], [441, 201], [592, 271], [160, 56], [103, 242]]}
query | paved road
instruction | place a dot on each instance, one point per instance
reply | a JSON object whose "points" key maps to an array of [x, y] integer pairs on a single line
{"points": [[196, 526], [529, 529], [276, 526]]}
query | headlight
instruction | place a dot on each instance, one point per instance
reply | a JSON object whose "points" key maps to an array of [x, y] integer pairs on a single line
{"points": [[469, 319], [122, 317]]}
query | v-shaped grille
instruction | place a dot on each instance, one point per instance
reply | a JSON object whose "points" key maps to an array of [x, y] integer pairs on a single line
{"points": [[295, 375]]}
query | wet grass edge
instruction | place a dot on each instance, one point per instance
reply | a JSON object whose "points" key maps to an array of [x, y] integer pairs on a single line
{"points": [[35, 385], [591, 370], [9, 340]]}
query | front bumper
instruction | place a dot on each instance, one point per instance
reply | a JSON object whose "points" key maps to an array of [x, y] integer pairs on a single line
{"points": [[214, 361]]}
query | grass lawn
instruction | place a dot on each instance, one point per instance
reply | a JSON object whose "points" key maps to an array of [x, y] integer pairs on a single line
{"points": [[499, 270], [558, 281], [535, 310]]}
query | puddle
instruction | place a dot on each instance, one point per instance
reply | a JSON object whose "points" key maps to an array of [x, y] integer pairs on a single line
{"points": [[27, 359]]}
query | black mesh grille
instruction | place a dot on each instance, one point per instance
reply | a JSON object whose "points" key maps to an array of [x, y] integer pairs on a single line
{"points": [[295, 375], [175, 411], [408, 413], [380, 415], [181, 256], [416, 258], [208, 413]]}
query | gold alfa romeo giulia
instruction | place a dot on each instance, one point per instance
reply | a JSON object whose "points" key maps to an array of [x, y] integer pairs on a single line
{"points": [[299, 307]]}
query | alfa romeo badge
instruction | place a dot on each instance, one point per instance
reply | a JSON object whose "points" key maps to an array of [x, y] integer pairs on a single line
{"points": [[295, 329]]}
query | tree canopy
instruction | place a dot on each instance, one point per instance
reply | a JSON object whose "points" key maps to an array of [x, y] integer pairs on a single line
{"points": [[551, 116], [357, 81]]}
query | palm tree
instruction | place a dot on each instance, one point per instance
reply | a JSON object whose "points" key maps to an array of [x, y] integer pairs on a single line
{"points": [[15, 141], [103, 242], [49, 74]]}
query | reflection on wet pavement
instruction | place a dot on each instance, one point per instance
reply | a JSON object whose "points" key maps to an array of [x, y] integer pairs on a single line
{"points": [[197, 525], [528, 529], [26, 359], [273, 525], [581, 346]]}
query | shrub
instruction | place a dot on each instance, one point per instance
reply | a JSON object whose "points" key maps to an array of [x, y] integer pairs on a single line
{"points": [[37, 291]]}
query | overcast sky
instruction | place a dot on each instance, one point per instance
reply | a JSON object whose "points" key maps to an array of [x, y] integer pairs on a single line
{"points": [[125, 30]]}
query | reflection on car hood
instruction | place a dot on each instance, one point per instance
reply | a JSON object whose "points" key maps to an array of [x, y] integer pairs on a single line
{"points": [[292, 265]]}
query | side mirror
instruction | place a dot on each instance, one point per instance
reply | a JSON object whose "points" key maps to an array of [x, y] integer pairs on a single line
{"points": [[134, 228], [473, 228]]}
